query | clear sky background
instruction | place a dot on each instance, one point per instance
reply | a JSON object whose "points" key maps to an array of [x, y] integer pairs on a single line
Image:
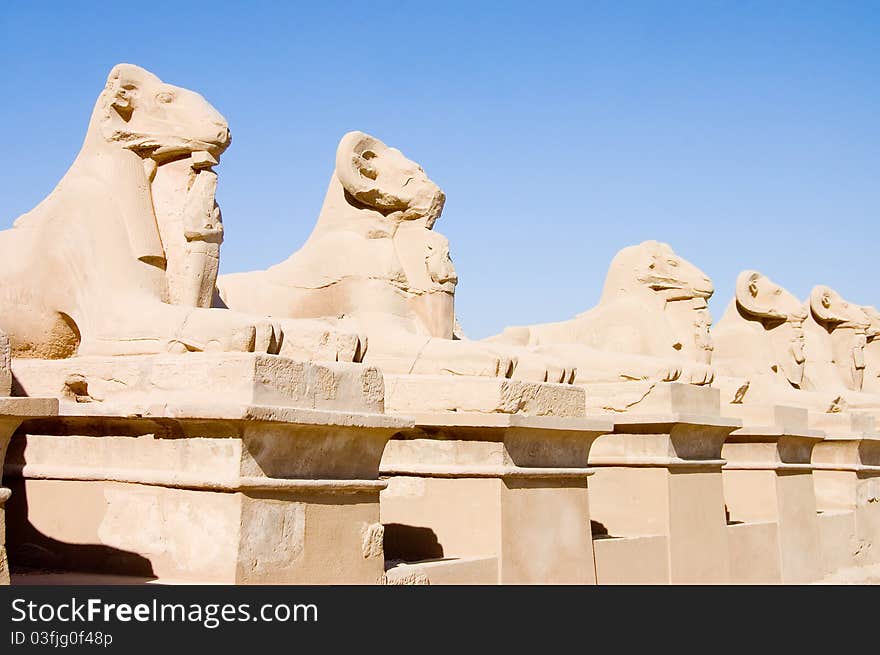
{"points": [[745, 134]]}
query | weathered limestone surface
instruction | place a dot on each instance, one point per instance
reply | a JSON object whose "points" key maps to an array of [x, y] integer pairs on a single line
{"points": [[147, 384], [847, 479]]}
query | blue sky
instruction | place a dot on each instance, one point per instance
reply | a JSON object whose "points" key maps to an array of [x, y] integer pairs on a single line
{"points": [[745, 134]]}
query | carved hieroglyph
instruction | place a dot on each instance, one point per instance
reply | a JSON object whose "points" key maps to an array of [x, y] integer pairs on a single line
{"points": [[836, 334], [106, 266], [652, 322], [374, 263]]}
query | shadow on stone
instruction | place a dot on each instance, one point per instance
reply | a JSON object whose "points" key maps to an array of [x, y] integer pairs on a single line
{"points": [[410, 543], [32, 551]]}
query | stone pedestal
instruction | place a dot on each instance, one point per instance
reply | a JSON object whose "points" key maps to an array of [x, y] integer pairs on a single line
{"points": [[847, 482], [502, 486], [203, 468], [12, 412], [768, 489], [659, 476]]}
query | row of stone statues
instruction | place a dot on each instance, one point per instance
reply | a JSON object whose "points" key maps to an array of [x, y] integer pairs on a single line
{"points": [[122, 258], [166, 420]]}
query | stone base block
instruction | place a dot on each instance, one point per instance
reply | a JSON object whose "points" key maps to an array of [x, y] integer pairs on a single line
{"points": [[837, 535], [242, 495], [786, 499], [259, 537], [768, 478], [144, 384], [415, 394], [754, 553], [513, 488], [632, 560], [684, 505], [455, 571], [847, 477], [842, 424]]}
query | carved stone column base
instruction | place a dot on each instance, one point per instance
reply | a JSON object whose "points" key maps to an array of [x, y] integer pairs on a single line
{"points": [[771, 504], [658, 479], [501, 486], [12, 412], [847, 481]]}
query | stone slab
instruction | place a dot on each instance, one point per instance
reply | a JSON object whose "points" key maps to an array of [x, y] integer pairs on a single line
{"points": [[134, 384], [658, 398], [754, 553], [452, 571], [205, 495], [408, 394]]}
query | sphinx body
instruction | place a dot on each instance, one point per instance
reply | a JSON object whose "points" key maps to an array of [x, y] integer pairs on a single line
{"points": [[835, 342], [759, 343], [374, 263], [652, 322], [837, 351], [97, 268], [872, 351]]}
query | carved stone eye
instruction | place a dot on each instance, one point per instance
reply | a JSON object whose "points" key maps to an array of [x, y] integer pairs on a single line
{"points": [[164, 97], [672, 262]]}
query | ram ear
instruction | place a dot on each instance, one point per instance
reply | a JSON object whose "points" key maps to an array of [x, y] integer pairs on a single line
{"points": [[751, 297], [356, 161], [826, 305]]}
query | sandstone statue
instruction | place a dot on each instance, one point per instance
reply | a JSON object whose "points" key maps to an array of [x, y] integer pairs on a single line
{"points": [[836, 334], [374, 264], [761, 334], [105, 265], [652, 322]]}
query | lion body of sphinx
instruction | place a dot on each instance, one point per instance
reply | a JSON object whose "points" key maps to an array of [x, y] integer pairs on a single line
{"points": [[652, 322], [373, 263], [69, 263]]}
